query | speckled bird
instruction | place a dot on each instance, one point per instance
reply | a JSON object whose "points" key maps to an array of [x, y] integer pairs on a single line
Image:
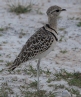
{"points": [[42, 42]]}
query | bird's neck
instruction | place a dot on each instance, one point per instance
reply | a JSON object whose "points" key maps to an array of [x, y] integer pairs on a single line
{"points": [[52, 23]]}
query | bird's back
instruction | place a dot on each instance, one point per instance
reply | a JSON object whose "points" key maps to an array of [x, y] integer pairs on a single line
{"points": [[37, 46]]}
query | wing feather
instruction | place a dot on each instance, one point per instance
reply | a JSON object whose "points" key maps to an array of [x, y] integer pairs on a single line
{"points": [[36, 44]]}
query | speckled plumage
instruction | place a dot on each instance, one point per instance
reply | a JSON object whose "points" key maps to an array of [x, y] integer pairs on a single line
{"points": [[38, 43]]}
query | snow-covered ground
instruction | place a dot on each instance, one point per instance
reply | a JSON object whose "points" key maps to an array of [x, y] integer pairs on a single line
{"points": [[18, 28]]}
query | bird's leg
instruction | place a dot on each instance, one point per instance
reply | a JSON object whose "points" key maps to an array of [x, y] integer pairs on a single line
{"points": [[38, 72]]}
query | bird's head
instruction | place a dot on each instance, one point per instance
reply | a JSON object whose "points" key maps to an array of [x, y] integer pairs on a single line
{"points": [[54, 11]]}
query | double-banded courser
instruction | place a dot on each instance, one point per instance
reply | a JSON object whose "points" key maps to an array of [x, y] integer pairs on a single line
{"points": [[42, 42]]}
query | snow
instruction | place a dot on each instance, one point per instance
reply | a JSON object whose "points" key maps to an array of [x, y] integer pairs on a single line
{"points": [[11, 44]]}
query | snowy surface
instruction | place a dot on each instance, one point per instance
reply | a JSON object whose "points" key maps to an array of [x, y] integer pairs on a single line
{"points": [[12, 40]]}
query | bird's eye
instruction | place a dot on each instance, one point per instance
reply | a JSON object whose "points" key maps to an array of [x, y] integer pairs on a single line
{"points": [[57, 10]]}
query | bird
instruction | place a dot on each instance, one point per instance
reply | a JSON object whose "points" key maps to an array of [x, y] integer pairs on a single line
{"points": [[41, 43]]}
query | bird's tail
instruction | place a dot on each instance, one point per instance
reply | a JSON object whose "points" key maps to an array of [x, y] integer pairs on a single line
{"points": [[15, 64]]}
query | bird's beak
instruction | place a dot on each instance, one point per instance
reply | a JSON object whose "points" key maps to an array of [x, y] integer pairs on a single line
{"points": [[63, 10]]}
